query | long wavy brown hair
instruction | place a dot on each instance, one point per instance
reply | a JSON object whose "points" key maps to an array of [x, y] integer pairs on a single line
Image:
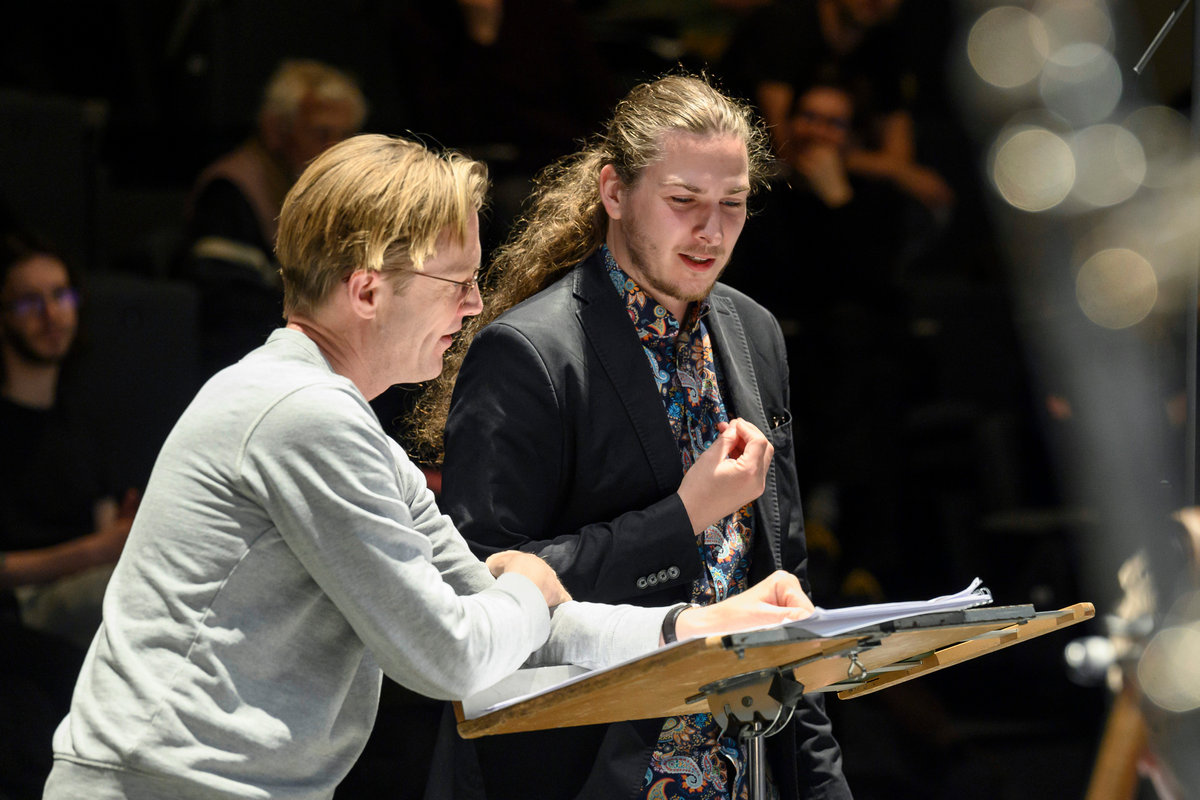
{"points": [[564, 222]]}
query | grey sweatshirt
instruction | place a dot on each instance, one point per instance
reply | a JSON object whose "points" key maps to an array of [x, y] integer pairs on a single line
{"points": [[287, 554]]}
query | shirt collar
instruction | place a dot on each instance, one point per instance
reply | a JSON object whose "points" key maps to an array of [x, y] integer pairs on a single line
{"points": [[650, 317]]}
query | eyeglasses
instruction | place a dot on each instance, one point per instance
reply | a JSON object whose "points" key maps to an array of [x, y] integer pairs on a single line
{"points": [[464, 287], [36, 303], [841, 123]]}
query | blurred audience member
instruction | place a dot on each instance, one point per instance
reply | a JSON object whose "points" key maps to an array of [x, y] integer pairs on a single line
{"points": [[306, 107], [822, 254], [825, 236], [820, 135], [790, 44], [61, 531]]}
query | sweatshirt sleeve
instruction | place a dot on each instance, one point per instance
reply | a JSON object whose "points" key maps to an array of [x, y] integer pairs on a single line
{"points": [[596, 635], [592, 635], [327, 477]]}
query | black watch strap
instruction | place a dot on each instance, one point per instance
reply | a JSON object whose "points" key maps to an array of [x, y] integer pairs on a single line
{"points": [[668, 626]]}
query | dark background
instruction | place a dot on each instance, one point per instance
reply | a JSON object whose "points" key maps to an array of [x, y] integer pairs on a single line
{"points": [[108, 110]]}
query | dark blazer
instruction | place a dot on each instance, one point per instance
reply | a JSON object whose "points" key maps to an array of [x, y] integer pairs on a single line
{"points": [[557, 444]]}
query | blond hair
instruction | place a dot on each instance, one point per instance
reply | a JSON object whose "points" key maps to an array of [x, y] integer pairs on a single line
{"points": [[294, 80], [564, 220], [371, 202]]}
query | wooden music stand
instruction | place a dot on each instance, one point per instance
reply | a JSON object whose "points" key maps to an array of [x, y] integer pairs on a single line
{"points": [[752, 681]]}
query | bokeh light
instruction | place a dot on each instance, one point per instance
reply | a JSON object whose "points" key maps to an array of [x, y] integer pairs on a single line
{"points": [[1116, 288], [1007, 46], [1169, 670], [1160, 225], [1109, 165], [1164, 134], [1032, 168], [1081, 82], [1074, 21]]}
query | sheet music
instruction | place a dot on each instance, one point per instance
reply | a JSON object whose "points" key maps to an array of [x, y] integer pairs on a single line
{"points": [[516, 687], [526, 683], [831, 622]]}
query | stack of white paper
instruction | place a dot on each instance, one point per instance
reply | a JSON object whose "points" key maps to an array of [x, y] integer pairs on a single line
{"points": [[831, 622]]}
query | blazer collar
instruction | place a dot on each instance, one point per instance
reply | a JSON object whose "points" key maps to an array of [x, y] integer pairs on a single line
{"points": [[615, 342], [738, 365], [612, 337], [732, 347]]}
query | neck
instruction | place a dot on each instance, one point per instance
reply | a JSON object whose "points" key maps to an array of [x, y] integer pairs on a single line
{"points": [[339, 351], [32, 385], [616, 244]]}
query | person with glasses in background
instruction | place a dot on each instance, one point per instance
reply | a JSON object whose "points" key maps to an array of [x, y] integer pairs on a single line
{"points": [[233, 210], [61, 527], [827, 255]]}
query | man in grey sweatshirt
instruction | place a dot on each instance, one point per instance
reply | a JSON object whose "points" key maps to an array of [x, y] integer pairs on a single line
{"points": [[287, 553]]}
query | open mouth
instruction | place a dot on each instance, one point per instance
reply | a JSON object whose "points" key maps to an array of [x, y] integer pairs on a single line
{"points": [[699, 262]]}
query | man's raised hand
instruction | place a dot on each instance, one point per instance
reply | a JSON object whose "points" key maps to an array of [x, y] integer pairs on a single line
{"points": [[729, 474]]}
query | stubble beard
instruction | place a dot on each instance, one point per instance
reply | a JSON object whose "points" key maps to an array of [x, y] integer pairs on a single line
{"points": [[642, 253]]}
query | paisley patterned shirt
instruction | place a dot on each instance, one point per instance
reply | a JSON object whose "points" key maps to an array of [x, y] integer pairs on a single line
{"points": [[691, 759]]}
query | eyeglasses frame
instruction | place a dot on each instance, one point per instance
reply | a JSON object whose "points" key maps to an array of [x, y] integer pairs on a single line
{"points": [[466, 286], [36, 303]]}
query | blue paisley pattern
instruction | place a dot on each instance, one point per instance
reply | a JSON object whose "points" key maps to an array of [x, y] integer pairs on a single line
{"points": [[692, 761]]}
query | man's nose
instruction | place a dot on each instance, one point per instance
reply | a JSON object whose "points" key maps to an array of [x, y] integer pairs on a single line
{"points": [[473, 303], [710, 230]]}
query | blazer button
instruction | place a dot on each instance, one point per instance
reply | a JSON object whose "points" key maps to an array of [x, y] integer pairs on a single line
{"points": [[662, 576], [642, 583], [652, 579], [673, 572]]}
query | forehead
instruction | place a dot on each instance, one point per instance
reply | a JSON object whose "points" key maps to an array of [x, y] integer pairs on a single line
{"points": [[452, 256], [36, 273], [826, 98], [708, 162], [315, 110]]}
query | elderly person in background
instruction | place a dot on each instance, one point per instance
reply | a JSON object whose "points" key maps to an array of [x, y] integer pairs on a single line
{"points": [[234, 211]]}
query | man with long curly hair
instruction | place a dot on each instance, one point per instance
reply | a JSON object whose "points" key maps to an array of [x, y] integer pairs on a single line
{"points": [[608, 363]]}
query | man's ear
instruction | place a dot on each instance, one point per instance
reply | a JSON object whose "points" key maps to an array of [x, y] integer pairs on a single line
{"points": [[611, 190], [363, 290]]}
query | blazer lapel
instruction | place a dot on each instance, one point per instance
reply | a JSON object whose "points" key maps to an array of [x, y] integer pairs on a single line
{"points": [[611, 335], [738, 368]]}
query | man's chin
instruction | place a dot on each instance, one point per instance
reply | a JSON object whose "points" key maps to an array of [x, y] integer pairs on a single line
{"points": [[40, 356], [689, 291], [695, 292]]}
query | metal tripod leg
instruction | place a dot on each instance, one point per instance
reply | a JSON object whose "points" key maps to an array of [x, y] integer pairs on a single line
{"points": [[756, 750]]}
